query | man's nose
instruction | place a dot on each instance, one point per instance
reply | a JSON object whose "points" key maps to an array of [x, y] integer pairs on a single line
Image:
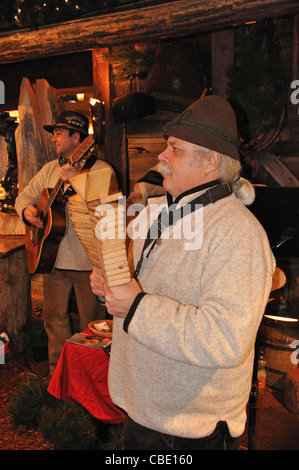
{"points": [[163, 155]]}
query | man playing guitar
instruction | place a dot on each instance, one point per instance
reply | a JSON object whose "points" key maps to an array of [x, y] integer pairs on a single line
{"points": [[68, 267]]}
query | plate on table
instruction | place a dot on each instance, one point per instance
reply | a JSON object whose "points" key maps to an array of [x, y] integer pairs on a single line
{"points": [[102, 328]]}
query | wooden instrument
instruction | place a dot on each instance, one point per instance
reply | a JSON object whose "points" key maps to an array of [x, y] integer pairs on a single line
{"points": [[279, 279], [99, 222], [42, 244]]}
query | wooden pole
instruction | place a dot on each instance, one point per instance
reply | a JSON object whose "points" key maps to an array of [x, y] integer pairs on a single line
{"points": [[222, 43], [115, 140]]}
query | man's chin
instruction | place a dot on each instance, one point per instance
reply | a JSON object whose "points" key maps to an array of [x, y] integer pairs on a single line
{"points": [[167, 183]]}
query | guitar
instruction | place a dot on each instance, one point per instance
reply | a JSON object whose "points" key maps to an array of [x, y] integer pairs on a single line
{"points": [[42, 244]]}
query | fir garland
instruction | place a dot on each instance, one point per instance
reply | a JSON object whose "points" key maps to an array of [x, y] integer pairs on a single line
{"points": [[130, 61], [36, 13]]}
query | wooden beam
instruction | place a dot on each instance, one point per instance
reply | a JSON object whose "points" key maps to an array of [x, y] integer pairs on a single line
{"points": [[222, 43], [175, 19], [279, 172]]}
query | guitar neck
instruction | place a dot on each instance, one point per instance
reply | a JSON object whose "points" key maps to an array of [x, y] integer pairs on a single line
{"points": [[81, 150], [76, 156]]}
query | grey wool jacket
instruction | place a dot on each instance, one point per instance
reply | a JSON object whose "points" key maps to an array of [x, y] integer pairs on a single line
{"points": [[71, 254], [182, 359]]}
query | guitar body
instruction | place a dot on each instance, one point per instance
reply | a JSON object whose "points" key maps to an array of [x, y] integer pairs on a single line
{"points": [[42, 244]]}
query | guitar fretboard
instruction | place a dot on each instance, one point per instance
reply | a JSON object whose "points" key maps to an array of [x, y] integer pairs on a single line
{"points": [[74, 158]]}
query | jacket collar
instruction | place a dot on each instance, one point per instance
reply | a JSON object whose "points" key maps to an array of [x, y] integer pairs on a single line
{"points": [[188, 195]]}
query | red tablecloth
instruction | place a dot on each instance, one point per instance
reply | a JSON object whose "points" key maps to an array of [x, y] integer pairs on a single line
{"points": [[81, 375]]}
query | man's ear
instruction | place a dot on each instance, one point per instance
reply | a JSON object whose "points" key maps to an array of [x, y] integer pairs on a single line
{"points": [[213, 161], [76, 137]]}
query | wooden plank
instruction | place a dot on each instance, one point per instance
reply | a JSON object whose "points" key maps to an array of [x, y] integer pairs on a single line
{"points": [[47, 102], [278, 170], [145, 147], [174, 19], [11, 224], [33, 143], [143, 155], [15, 294], [10, 244], [28, 136], [222, 58]]}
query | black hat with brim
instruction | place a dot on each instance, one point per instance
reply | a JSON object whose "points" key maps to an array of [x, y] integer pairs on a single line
{"points": [[70, 120]]}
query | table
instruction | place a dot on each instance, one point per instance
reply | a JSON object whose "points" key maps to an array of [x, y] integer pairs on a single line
{"points": [[81, 375], [10, 244]]}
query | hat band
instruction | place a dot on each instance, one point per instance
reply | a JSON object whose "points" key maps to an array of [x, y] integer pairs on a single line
{"points": [[185, 120], [63, 125]]}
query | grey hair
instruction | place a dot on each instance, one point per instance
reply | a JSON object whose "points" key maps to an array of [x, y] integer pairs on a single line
{"points": [[230, 173], [230, 169]]}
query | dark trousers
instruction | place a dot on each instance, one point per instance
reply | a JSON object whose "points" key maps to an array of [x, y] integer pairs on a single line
{"points": [[137, 437], [57, 290]]}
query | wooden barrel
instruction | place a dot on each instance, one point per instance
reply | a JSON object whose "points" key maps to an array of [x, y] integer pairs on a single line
{"points": [[276, 338]]}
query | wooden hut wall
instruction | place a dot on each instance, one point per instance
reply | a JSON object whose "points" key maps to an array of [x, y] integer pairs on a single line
{"points": [[75, 72]]}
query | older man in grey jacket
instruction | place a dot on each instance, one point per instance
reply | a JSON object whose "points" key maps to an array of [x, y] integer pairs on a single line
{"points": [[185, 326]]}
